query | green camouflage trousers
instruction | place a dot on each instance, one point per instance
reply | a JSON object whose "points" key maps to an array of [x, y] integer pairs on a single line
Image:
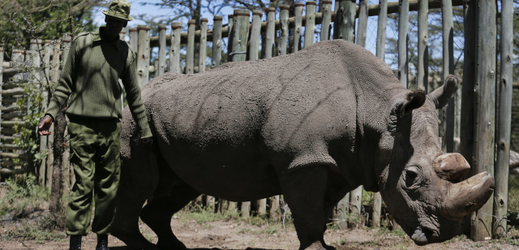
{"points": [[95, 156]]}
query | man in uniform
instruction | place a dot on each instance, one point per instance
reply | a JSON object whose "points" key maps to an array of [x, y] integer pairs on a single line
{"points": [[90, 88]]}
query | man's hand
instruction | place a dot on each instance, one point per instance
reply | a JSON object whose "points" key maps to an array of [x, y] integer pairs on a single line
{"points": [[44, 126]]}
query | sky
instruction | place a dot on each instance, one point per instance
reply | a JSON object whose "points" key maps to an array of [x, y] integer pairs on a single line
{"points": [[150, 9]]}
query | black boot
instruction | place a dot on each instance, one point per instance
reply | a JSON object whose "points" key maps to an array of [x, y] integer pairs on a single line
{"points": [[75, 242], [102, 242]]}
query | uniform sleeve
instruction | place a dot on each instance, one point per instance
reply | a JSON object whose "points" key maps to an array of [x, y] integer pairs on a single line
{"points": [[64, 88], [133, 96]]}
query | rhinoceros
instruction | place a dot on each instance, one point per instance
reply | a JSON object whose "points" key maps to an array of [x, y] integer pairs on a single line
{"points": [[311, 126]]}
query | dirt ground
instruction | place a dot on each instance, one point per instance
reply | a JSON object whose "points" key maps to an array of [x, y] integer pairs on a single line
{"points": [[245, 236]]}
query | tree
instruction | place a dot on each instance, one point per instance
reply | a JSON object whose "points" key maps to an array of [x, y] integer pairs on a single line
{"points": [[24, 20]]}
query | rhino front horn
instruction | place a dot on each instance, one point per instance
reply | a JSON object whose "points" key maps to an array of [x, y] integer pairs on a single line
{"points": [[468, 196]]}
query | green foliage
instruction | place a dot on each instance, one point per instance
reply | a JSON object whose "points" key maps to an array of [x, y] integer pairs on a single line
{"points": [[33, 101], [22, 192], [23, 20], [31, 231]]}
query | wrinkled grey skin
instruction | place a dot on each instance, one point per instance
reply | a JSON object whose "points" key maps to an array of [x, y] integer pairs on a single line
{"points": [[312, 126]]}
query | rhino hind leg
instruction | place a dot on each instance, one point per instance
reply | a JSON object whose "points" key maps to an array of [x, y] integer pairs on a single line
{"points": [[305, 194], [159, 210]]}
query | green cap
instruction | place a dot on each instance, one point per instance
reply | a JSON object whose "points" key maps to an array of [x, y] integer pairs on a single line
{"points": [[119, 9]]}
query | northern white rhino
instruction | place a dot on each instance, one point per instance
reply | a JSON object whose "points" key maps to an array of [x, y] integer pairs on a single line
{"points": [[312, 126]]}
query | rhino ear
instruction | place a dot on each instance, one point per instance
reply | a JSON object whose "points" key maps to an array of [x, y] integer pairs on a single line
{"points": [[440, 97], [413, 101]]}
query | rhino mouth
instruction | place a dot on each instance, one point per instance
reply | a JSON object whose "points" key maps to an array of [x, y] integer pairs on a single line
{"points": [[422, 236]]}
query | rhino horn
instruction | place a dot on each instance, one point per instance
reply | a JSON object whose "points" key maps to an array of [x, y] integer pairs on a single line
{"points": [[440, 97], [467, 196], [451, 167]]}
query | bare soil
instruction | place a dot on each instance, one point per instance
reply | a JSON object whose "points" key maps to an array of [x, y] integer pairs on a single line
{"points": [[244, 236]]}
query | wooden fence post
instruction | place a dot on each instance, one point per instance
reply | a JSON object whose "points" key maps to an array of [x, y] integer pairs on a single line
{"points": [[344, 25], [283, 31], [174, 56], [217, 41], [485, 109], [309, 23], [68, 176], [381, 46], [190, 53], [298, 26], [467, 98], [134, 39], [255, 35], [403, 36], [143, 55], [162, 50], [363, 23], [271, 32], [1, 88], [254, 55], [230, 35], [344, 28], [122, 34], [48, 140], [423, 44], [356, 194], [239, 54], [327, 20], [448, 68], [504, 119], [203, 45]]}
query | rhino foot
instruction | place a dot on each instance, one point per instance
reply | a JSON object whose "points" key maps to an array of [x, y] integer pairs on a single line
{"points": [[176, 245], [135, 241], [318, 246]]}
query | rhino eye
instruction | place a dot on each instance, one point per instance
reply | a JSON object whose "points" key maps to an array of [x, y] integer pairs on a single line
{"points": [[411, 175]]}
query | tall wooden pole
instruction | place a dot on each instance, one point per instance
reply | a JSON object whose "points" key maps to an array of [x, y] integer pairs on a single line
{"points": [[203, 45], [363, 23], [143, 54], [255, 35], [448, 68], [327, 20], [403, 37], [1, 87], [344, 24], [241, 34], [174, 54], [239, 54], [298, 26], [271, 32], [310, 23], [485, 95], [134, 39], [190, 53], [162, 50], [283, 30], [381, 45], [504, 119], [423, 46], [217, 41]]}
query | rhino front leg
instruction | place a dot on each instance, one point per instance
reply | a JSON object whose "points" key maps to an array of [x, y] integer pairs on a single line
{"points": [[304, 190], [139, 180], [159, 210]]}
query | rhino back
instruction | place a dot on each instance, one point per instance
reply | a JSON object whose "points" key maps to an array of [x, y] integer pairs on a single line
{"points": [[297, 105]]}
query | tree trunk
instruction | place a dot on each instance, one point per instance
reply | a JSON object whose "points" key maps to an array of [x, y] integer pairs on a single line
{"points": [[60, 124]]}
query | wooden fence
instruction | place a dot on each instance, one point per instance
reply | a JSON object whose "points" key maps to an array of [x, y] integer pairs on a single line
{"points": [[479, 125]]}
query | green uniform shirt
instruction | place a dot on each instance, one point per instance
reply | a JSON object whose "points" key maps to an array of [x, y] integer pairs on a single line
{"points": [[89, 81]]}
